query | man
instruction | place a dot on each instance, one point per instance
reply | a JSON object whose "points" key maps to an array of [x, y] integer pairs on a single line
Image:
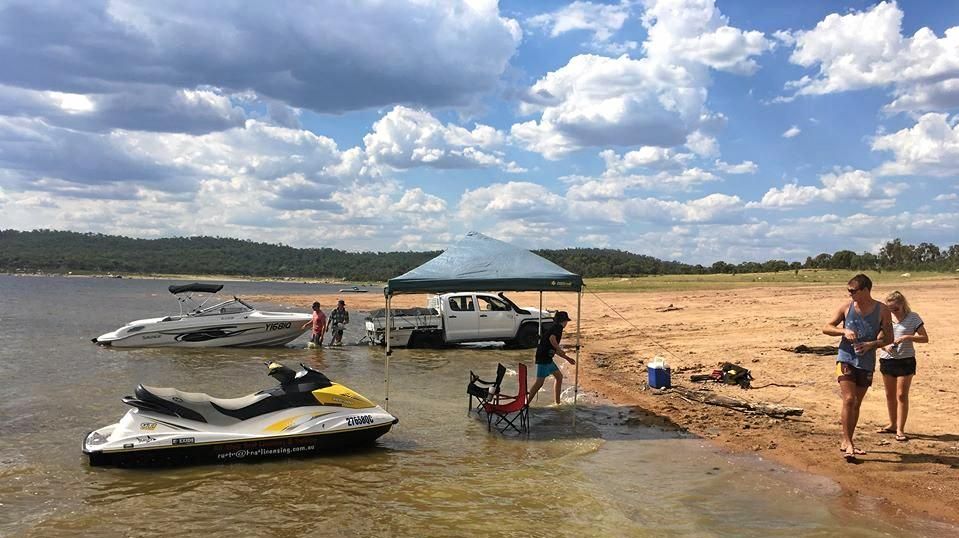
{"points": [[339, 317], [863, 320], [549, 345], [319, 326]]}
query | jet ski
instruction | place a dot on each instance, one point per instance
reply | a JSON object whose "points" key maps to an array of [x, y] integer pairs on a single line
{"points": [[306, 414], [228, 323]]}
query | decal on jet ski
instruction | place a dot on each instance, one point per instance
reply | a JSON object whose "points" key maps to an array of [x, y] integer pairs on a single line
{"points": [[254, 452], [148, 425], [359, 420], [278, 326], [183, 440]]}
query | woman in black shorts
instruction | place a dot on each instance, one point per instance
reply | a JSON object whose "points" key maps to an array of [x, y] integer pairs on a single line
{"points": [[897, 362]]}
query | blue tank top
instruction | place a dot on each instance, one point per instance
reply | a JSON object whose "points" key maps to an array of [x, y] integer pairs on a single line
{"points": [[867, 329]]}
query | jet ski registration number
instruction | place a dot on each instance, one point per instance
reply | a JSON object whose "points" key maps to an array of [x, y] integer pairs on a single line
{"points": [[278, 326], [359, 420]]}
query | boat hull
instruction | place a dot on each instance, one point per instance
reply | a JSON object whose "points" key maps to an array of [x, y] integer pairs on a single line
{"points": [[252, 331]]}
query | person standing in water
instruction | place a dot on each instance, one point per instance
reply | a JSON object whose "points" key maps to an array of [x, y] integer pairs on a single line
{"points": [[549, 345], [339, 317], [319, 325], [863, 320], [897, 362]]}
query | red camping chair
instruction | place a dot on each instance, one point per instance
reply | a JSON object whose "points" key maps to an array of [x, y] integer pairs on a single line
{"points": [[484, 391], [511, 412]]}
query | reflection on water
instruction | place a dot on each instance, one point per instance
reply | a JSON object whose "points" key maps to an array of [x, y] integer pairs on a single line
{"points": [[438, 473]]}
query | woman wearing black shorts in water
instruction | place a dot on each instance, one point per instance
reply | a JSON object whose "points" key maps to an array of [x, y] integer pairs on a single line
{"points": [[897, 362]]}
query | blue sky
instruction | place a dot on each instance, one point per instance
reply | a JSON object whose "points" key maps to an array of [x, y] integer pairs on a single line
{"points": [[683, 129]]}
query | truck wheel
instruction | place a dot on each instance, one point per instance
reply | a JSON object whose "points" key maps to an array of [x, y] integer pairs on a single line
{"points": [[526, 337]]}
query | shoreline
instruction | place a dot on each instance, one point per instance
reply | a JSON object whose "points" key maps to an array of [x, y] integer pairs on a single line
{"points": [[749, 326]]}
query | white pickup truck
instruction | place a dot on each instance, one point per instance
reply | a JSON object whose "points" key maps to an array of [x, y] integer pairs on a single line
{"points": [[454, 318]]}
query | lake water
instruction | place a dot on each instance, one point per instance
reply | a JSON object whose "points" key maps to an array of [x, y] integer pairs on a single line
{"points": [[437, 473]]}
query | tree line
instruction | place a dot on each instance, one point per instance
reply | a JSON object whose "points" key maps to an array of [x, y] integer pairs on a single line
{"points": [[62, 251]]}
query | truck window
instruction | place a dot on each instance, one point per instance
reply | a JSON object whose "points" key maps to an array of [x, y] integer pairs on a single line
{"points": [[492, 305], [461, 304]]}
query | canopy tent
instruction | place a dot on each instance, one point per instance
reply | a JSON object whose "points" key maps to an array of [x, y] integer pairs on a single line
{"points": [[481, 263]]}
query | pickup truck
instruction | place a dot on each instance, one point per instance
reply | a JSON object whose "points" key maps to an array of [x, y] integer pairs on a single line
{"points": [[454, 318]]}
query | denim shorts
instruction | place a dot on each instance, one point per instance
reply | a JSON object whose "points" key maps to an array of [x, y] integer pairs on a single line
{"points": [[846, 371], [547, 369]]}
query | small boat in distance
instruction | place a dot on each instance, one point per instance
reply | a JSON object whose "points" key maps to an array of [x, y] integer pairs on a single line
{"points": [[353, 289]]}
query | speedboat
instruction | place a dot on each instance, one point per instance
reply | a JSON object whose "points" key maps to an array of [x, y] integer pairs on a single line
{"points": [[228, 323], [353, 289], [306, 415]]}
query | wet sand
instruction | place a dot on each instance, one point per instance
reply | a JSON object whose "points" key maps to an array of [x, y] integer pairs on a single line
{"points": [[749, 327]]}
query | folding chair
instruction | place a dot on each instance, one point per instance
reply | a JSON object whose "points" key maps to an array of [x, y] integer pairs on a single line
{"points": [[511, 412], [483, 391]]}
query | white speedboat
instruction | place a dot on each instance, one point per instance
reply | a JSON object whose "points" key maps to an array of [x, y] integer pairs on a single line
{"points": [[306, 415], [229, 323]]}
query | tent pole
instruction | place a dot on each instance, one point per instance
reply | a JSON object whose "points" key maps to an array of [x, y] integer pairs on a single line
{"points": [[579, 303], [388, 351], [539, 329]]}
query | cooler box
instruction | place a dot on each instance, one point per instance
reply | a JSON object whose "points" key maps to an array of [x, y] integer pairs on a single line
{"points": [[658, 377]]}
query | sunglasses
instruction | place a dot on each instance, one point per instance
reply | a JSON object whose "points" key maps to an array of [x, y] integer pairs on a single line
{"points": [[852, 292]]}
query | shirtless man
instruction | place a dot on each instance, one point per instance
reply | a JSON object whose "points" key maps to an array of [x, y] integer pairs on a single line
{"points": [[863, 320]]}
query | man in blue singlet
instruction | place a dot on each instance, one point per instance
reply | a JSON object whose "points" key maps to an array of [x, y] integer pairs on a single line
{"points": [[863, 320]]}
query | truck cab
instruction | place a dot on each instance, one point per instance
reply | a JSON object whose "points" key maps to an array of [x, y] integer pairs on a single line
{"points": [[459, 318]]}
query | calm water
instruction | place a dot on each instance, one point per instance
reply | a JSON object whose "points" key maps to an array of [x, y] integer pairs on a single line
{"points": [[438, 473]]}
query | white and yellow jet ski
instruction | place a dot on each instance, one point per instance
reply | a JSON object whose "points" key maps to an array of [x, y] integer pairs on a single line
{"points": [[307, 414]]}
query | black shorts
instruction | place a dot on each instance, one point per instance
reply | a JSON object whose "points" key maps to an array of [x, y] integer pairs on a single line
{"points": [[898, 367]]}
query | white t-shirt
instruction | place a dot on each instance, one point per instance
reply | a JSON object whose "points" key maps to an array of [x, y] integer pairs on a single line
{"points": [[906, 326]]}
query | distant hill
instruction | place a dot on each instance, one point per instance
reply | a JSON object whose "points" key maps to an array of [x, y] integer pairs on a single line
{"points": [[61, 251]]}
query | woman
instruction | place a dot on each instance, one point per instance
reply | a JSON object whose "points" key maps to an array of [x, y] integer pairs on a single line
{"points": [[897, 362]]}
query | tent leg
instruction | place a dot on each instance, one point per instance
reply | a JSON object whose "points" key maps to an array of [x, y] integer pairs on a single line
{"points": [[539, 329], [579, 303], [388, 352]]}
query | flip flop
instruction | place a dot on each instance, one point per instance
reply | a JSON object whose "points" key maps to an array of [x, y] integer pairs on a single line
{"points": [[901, 437], [887, 429], [849, 457], [855, 451]]}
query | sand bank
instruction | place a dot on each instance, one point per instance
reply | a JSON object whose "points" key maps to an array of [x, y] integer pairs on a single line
{"points": [[750, 326]]}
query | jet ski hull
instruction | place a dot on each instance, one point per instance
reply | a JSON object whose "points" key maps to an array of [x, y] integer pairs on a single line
{"points": [[145, 439]]}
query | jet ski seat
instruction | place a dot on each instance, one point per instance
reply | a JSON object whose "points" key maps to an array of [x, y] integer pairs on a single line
{"points": [[197, 405]]}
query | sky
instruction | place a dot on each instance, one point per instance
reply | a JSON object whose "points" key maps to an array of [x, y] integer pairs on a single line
{"points": [[690, 130]]}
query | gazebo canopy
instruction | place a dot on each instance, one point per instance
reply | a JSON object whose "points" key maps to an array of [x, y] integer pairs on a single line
{"points": [[481, 263]]}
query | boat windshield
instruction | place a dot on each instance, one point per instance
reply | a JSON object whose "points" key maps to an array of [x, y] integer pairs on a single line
{"points": [[233, 306]]}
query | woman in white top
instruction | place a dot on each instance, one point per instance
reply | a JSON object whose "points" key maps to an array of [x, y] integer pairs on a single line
{"points": [[897, 362]]}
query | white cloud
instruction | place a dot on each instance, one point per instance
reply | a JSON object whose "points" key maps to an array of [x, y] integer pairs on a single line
{"points": [[658, 100], [406, 138], [791, 132], [745, 167], [602, 20], [930, 147], [864, 49], [535, 206], [850, 185], [950, 197], [645, 157], [195, 111]]}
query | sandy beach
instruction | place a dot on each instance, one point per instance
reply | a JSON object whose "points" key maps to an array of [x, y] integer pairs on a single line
{"points": [[750, 327]]}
